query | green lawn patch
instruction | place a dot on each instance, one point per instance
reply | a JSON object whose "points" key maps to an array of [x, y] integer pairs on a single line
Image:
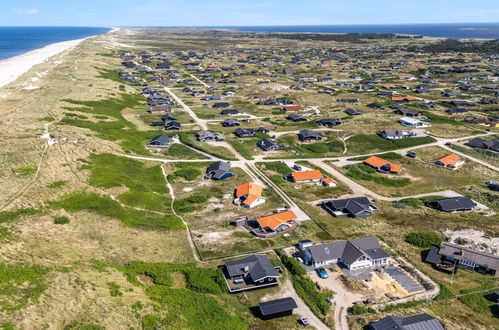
{"points": [[180, 151], [120, 130], [365, 143], [424, 239], [25, 171], [57, 184], [366, 173], [20, 285], [82, 201]]}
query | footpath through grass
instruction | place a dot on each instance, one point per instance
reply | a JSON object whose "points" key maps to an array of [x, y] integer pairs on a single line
{"points": [[147, 194], [118, 130], [198, 305]]}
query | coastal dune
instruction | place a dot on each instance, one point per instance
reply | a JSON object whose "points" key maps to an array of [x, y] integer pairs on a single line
{"points": [[12, 68]]}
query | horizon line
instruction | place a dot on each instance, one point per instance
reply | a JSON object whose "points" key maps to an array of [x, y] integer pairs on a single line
{"points": [[222, 26]]}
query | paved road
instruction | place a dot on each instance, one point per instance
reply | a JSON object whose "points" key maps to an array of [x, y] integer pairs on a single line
{"points": [[476, 160], [200, 122]]}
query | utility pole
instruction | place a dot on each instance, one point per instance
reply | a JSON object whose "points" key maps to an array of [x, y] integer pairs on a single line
{"points": [[453, 271]]}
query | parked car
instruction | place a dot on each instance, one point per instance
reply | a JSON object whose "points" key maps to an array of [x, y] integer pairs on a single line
{"points": [[304, 321], [411, 154], [322, 272]]}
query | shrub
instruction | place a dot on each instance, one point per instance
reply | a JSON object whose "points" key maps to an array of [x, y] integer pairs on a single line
{"points": [[61, 220], [189, 174], [461, 241], [293, 265], [315, 299], [361, 309], [477, 303], [408, 203], [367, 173], [278, 167], [57, 184], [27, 170], [423, 239], [114, 289], [444, 293]]}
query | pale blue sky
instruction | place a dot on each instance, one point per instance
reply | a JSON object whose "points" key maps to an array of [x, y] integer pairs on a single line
{"points": [[236, 12]]}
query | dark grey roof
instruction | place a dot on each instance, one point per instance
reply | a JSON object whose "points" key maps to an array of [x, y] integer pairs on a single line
{"points": [[277, 306], [309, 134], [353, 206], [161, 139], [258, 267], [218, 169], [267, 144], [421, 321], [349, 251], [461, 252], [451, 204], [433, 257]]}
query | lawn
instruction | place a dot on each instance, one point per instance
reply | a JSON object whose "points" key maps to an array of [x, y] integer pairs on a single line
{"points": [[202, 202], [304, 192], [223, 240], [364, 143], [189, 138], [118, 130], [419, 175]]}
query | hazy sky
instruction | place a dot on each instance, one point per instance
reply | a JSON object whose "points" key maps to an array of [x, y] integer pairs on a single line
{"points": [[237, 12]]}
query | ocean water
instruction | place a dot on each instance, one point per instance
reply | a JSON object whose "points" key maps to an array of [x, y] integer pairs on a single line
{"points": [[18, 40], [450, 30]]}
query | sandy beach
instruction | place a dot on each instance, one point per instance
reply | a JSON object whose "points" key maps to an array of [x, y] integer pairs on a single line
{"points": [[12, 68]]}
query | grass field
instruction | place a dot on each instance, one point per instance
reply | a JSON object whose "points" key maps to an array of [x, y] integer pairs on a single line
{"points": [[419, 175]]}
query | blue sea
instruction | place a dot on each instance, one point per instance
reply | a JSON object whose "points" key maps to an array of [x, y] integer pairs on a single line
{"points": [[449, 30], [18, 40]]}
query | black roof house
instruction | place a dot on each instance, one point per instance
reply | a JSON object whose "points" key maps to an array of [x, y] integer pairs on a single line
{"points": [[269, 145], [160, 141], [229, 112], [308, 134], [421, 321], [277, 308], [254, 271], [296, 118], [244, 132], [484, 144], [452, 204], [329, 122], [172, 126], [219, 105], [218, 171], [358, 207]]}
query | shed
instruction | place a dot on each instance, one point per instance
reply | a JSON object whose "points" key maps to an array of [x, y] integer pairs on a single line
{"points": [[277, 308]]}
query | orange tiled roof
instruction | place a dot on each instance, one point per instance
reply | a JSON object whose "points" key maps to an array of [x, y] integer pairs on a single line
{"points": [[328, 180], [403, 98], [378, 162], [450, 159], [274, 220], [307, 175], [252, 190]]}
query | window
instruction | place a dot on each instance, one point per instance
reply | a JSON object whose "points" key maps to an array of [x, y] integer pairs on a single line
{"points": [[326, 250]]}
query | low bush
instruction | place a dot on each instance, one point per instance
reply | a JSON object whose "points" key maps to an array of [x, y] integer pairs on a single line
{"points": [[293, 265], [61, 220], [361, 309], [367, 173], [311, 295], [57, 184], [424, 239], [278, 167], [189, 174], [114, 289]]}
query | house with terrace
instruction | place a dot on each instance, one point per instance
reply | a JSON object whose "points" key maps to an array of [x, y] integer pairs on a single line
{"points": [[306, 135], [269, 145], [273, 224], [450, 161], [421, 321], [413, 122], [252, 272], [451, 255], [354, 254], [305, 176], [357, 207], [382, 166], [249, 195], [452, 204], [394, 134], [219, 171]]}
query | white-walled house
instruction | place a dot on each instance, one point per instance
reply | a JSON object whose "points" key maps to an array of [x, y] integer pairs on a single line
{"points": [[358, 253], [413, 122]]}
